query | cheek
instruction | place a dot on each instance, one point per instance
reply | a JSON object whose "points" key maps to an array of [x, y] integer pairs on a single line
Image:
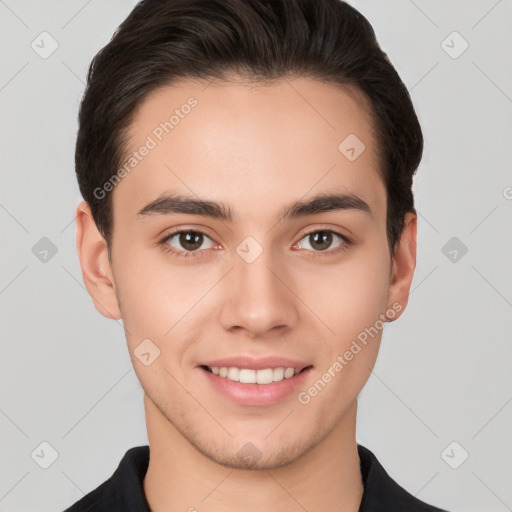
{"points": [[353, 313], [159, 299], [365, 306], [148, 295], [357, 294]]}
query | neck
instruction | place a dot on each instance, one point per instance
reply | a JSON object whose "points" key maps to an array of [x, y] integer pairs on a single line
{"points": [[325, 477]]}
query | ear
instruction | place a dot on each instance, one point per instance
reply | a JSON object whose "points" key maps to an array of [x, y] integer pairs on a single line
{"points": [[96, 270], [403, 265]]}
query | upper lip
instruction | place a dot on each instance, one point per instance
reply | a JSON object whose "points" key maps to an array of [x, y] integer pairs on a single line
{"points": [[256, 363]]}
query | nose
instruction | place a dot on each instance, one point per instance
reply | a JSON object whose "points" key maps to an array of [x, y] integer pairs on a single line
{"points": [[258, 298]]}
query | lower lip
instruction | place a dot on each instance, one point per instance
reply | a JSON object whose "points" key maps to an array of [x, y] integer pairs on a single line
{"points": [[256, 394]]}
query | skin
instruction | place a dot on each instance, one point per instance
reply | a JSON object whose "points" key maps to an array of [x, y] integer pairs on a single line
{"points": [[256, 148]]}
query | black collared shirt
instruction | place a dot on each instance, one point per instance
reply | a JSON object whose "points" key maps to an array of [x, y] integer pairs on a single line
{"points": [[123, 491]]}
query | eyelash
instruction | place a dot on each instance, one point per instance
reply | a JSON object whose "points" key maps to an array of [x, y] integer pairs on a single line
{"points": [[193, 254]]}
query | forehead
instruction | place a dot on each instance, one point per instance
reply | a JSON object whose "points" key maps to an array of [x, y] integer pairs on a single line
{"points": [[251, 145]]}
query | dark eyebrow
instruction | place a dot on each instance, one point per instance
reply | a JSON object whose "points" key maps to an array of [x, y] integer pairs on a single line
{"points": [[170, 203], [326, 202]]}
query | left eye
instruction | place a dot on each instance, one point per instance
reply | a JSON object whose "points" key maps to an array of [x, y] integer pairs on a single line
{"points": [[321, 239]]}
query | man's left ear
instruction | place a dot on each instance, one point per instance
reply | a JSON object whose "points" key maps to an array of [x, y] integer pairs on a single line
{"points": [[403, 265]]}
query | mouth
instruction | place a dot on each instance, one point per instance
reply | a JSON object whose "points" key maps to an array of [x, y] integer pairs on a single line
{"points": [[255, 387], [262, 376]]}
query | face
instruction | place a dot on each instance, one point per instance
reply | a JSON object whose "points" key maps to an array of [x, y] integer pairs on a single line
{"points": [[300, 288]]}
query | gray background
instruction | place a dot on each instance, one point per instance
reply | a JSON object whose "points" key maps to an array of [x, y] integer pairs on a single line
{"points": [[444, 370]]}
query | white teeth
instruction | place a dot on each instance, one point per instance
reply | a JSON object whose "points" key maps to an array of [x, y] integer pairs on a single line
{"points": [[265, 376], [248, 376], [289, 372], [279, 374]]}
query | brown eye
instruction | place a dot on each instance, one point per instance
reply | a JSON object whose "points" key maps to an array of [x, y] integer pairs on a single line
{"points": [[186, 242], [190, 240], [322, 240]]}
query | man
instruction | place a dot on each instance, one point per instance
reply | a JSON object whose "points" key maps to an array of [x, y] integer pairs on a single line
{"points": [[246, 168]]}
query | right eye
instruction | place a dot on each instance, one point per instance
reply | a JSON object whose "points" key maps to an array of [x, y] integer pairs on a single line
{"points": [[190, 239]]}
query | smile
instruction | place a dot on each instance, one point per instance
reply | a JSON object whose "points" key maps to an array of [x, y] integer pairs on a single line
{"points": [[257, 388], [249, 376]]}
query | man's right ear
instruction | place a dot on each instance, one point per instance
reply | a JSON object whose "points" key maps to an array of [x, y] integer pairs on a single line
{"points": [[96, 270]]}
